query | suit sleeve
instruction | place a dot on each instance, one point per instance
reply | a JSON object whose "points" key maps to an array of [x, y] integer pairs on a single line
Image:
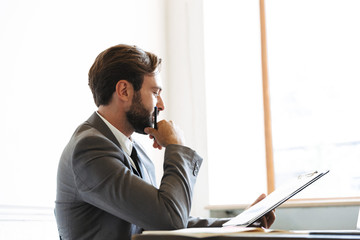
{"points": [[104, 181]]}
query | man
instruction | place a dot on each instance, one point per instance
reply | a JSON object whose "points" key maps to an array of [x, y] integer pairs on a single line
{"points": [[106, 182]]}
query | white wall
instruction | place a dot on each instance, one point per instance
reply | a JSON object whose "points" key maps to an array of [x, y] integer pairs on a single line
{"points": [[186, 85], [46, 50]]}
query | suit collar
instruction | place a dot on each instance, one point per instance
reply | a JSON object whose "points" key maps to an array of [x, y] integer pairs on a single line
{"points": [[96, 122], [125, 142]]}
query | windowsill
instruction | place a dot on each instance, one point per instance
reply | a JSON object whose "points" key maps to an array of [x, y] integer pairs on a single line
{"points": [[297, 203]]}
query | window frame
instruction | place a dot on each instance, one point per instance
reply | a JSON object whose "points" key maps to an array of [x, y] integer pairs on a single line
{"points": [[308, 202]]}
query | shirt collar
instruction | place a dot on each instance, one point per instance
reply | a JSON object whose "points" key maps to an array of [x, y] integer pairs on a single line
{"points": [[125, 143]]}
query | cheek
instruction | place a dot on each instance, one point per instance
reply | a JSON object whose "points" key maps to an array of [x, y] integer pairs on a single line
{"points": [[150, 102]]}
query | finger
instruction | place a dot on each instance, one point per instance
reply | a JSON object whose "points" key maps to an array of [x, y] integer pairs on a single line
{"points": [[266, 221], [153, 133], [261, 197], [156, 145], [149, 130], [263, 221], [270, 218]]}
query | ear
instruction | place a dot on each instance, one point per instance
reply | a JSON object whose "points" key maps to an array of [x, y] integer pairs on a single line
{"points": [[124, 90]]}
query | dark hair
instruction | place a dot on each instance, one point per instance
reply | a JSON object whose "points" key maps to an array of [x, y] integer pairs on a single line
{"points": [[120, 62]]}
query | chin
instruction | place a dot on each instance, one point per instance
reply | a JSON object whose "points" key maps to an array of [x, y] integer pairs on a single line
{"points": [[141, 132]]}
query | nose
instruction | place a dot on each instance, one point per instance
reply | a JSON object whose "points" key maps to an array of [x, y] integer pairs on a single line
{"points": [[160, 104]]}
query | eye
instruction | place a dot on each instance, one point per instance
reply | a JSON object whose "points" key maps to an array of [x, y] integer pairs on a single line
{"points": [[156, 93]]}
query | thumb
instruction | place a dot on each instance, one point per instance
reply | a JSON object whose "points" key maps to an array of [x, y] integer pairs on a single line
{"points": [[261, 197]]}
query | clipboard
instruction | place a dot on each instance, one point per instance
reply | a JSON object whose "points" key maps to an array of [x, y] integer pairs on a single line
{"points": [[274, 199]]}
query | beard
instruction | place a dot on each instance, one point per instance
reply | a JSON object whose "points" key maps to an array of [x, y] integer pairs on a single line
{"points": [[138, 116]]}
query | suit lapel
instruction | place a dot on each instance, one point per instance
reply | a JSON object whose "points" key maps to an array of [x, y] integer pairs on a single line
{"points": [[96, 122], [145, 164]]}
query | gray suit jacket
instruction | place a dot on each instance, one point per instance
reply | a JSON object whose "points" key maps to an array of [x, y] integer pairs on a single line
{"points": [[100, 196]]}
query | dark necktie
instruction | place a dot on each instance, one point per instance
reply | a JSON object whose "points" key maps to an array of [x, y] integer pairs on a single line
{"points": [[135, 158]]}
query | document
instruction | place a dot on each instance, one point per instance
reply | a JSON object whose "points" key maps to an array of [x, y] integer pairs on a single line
{"points": [[274, 199]]}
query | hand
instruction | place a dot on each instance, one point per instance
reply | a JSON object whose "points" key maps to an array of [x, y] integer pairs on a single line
{"points": [[166, 134], [267, 220]]}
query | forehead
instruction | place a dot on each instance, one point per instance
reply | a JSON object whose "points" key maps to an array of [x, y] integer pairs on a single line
{"points": [[152, 81]]}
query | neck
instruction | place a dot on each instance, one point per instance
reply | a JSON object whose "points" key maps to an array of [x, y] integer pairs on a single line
{"points": [[117, 119]]}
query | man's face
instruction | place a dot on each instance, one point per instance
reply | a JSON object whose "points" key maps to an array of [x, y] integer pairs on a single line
{"points": [[141, 113]]}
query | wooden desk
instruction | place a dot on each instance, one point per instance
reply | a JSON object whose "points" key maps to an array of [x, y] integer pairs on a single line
{"points": [[328, 235]]}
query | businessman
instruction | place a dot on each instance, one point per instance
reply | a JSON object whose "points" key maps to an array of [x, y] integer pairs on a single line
{"points": [[106, 183]]}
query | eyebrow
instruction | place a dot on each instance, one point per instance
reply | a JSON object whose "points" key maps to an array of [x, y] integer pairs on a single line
{"points": [[157, 88]]}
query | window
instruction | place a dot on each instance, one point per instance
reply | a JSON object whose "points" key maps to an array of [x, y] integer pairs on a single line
{"points": [[312, 62], [314, 78]]}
